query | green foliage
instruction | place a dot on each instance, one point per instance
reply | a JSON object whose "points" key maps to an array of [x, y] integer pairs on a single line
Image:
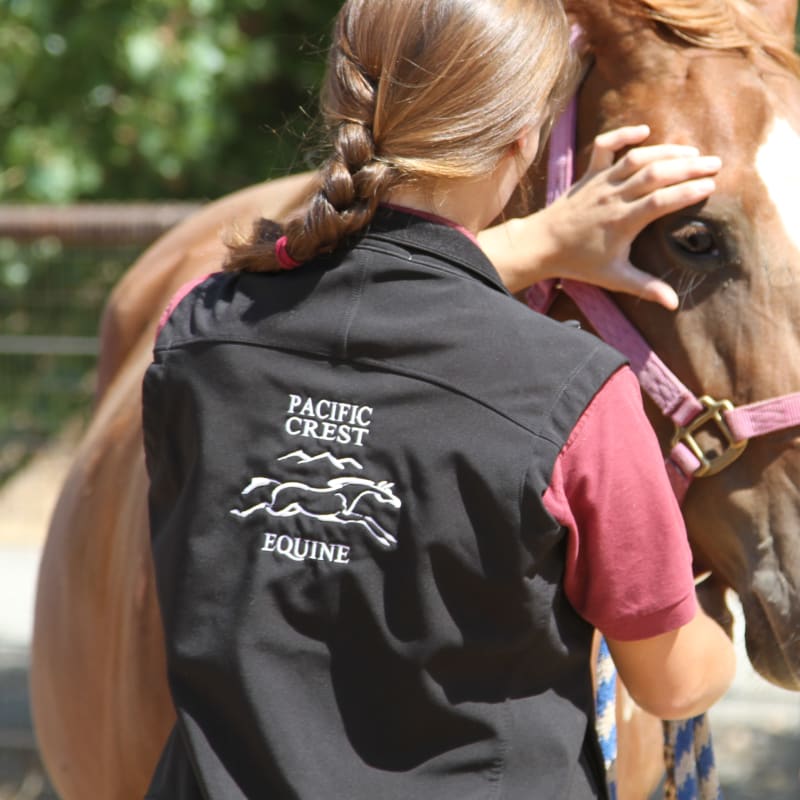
{"points": [[129, 99], [111, 99]]}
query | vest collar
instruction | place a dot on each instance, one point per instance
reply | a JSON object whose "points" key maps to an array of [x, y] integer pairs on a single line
{"points": [[442, 239]]}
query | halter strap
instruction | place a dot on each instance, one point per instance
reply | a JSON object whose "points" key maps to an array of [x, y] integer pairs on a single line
{"points": [[688, 752], [688, 412]]}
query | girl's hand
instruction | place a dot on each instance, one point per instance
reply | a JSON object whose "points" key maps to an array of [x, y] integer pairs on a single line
{"points": [[587, 234]]}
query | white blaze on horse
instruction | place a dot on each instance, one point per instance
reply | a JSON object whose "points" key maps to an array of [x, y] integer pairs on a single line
{"points": [[713, 73]]}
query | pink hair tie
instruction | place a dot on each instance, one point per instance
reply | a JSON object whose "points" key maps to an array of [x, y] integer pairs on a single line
{"points": [[282, 254]]}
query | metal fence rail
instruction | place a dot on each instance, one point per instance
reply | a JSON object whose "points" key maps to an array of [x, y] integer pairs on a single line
{"points": [[92, 223], [49, 345], [57, 267]]}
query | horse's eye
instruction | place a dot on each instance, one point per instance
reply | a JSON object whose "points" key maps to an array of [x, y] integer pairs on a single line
{"points": [[695, 238]]}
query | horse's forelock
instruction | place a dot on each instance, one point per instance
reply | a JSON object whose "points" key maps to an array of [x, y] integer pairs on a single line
{"points": [[716, 25]]}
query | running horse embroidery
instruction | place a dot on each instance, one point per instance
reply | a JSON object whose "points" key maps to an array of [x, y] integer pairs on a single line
{"points": [[334, 502]]}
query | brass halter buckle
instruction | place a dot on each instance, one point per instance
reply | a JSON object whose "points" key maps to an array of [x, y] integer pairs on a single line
{"points": [[710, 464]]}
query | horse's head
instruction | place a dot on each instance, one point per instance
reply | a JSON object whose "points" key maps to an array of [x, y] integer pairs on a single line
{"points": [[710, 74], [384, 492]]}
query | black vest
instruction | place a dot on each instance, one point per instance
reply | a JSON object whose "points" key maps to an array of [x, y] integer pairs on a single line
{"points": [[361, 589]]}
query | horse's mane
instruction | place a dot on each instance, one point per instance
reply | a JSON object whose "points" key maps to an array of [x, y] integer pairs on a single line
{"points": [[717, 25]]}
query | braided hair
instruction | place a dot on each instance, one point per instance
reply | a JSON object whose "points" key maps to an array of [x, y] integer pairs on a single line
{"points": [[418, 91]]}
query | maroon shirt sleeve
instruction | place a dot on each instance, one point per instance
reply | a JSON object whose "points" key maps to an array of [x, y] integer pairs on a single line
{"points": [[629, 566]]}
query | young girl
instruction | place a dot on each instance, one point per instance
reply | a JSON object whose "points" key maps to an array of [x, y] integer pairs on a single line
{"points": [[389, 504]]}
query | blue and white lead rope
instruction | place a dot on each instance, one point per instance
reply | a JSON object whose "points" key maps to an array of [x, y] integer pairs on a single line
{"points": [[688, 752], [606, 715], [689, 758]]}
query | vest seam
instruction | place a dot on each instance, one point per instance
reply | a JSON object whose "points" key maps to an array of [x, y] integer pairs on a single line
{"points": [[570, 380], [385, 365], [523, 482], [498, 771], [459, 267], [356, 294]]}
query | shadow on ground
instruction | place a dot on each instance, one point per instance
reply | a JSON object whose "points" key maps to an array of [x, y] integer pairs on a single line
{"points": [[754, 764], [757, 765]]}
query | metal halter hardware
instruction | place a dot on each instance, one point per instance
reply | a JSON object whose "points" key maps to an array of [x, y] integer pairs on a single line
{"points": [[710, 464]]}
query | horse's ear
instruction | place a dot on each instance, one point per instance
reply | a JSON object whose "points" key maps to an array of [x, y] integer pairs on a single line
{"points": [[781, 15]]}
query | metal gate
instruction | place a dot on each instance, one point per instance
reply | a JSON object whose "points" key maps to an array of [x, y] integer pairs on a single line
{"points": [[57, 267]]}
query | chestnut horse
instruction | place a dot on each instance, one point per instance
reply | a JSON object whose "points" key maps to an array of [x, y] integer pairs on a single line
{"points": [[719, 74]]}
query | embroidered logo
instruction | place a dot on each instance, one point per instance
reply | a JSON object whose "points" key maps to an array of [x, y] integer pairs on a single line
{"points": [[341, 500]]}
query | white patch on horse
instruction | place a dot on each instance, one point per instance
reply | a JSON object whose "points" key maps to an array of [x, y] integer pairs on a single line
{"points": [[779, 168]]}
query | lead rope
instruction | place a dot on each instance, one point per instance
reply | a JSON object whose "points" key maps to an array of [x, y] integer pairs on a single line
{"points": [[689, 759], [606, 715], [691, 772]]}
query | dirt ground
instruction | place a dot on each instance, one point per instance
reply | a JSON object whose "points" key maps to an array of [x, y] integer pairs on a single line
{"points": [[756, 727], [27, 499]]}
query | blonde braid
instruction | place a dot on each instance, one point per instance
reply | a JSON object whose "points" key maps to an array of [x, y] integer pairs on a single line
{"points": [[422, 91], [353, 180], [351, 184]]}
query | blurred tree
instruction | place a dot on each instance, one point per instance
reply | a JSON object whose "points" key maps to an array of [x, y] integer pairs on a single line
{"points": [[154, 99], [110, 99]]}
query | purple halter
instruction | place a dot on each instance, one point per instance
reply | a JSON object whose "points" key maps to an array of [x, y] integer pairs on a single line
{"points": [[736, 425]]}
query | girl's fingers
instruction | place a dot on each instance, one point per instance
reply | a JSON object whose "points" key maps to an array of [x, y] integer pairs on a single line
{"points": [[667, 199], [668, 172], [642, 284], [642, 159], [606, 145], [656, 291]]}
